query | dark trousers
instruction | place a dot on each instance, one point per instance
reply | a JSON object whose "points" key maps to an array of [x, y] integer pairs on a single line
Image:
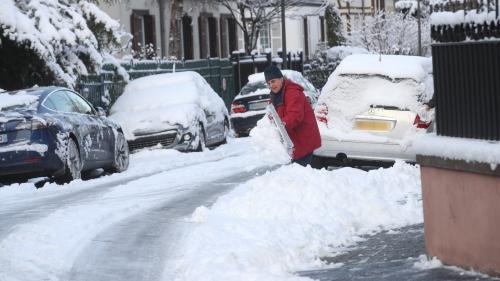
{"points": [[304, 161]]}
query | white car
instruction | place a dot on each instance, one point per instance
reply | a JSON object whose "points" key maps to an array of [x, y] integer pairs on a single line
{"points": [[371, 109], [173, 110]]}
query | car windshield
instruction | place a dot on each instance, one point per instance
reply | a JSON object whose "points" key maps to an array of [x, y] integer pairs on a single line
{"points": [[252, 87], [12, 101]]}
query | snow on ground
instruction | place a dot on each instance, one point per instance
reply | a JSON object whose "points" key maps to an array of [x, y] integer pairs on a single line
{"points": [[265, 229], [286, 220]]}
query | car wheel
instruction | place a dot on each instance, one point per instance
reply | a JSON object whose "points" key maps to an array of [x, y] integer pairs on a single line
{"points": [[121, 155], [318, 162], [73, 169], [201, 138], [226, 131]]}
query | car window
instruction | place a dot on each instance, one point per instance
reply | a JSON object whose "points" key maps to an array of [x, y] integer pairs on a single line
{"points": [[252, 87], [81, 105], [59, 101]]}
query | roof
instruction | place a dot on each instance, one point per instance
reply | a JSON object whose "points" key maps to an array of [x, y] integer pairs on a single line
{"points": [[392, 66]]}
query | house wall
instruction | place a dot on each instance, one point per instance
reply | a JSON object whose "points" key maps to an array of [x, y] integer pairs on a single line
{"points": [[461, 212]]}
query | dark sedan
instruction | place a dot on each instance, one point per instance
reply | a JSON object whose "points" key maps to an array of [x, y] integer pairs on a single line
{"points": [[54, 132]]}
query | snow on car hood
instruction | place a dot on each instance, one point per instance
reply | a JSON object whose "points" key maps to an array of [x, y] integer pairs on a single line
{"points": [[157, 119], [166, 100]]}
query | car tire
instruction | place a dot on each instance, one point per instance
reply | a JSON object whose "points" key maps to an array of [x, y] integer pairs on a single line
{"points": [[121, 155], [226, 131], [201, 138], [318, 162], [73, 165]]}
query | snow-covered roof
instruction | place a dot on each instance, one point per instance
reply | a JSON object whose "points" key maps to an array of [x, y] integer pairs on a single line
{"points": [[391, 66]]}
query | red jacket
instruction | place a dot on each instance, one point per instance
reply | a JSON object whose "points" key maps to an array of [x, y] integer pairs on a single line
{"points": [[298, 116]]}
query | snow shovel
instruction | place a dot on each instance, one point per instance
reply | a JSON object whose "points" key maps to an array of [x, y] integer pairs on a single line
{"points": [[285, 138]]}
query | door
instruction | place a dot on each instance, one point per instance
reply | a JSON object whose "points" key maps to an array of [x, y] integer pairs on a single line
{"points": [[101, 135]]}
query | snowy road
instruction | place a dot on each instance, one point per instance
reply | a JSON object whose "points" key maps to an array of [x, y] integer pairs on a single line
{"points": [[119, 227]]}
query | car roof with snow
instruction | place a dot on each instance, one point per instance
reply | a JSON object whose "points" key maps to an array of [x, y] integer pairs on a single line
{"points": [[392, 66], [259, 79]]}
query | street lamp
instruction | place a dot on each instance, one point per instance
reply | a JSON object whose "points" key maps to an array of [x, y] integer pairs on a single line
{"points": [[283, 34], [419, 29]]}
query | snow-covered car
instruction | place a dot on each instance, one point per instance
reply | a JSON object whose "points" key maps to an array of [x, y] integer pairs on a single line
{"points": [[172, 110], [249, 105], [372, 107], [53, 131]]}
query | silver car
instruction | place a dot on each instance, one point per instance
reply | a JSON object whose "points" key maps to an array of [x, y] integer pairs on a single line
{"points": [[371, 109]]}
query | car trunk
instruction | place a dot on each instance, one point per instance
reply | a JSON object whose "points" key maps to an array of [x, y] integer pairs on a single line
{"points": [[389, 122]]}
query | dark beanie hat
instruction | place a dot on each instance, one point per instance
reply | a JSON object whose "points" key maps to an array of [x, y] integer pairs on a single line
{"points": [[272, 72]]}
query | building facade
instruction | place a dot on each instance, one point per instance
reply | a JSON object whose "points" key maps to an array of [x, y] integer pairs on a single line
{"points": [[207, 29]]}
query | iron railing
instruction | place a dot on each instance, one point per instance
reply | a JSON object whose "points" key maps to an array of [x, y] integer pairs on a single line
{"points": [[467, 89]]}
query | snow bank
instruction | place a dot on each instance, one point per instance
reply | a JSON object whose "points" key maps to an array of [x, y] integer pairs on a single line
{"points": [[20, 98], [266, 140], [283, 221], [468, 150]]}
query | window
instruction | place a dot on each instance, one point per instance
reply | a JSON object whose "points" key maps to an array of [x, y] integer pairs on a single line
{"points": [[81, 105], [265, 37], [59, 101], [142, 27]]}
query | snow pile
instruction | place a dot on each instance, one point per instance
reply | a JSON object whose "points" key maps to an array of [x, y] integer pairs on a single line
{"points": [[425, 263], [469, 150], [283, 221], [162, 101], [60, 34], [17, 99], [266, 140]]}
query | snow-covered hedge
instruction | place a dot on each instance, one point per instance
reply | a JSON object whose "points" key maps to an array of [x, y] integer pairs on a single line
{"points": [[69, 37]]}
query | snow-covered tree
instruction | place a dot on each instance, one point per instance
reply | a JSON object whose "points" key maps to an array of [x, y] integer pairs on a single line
{"points": [[390, 33], [334, 26], [53, 41], [252, 15]]}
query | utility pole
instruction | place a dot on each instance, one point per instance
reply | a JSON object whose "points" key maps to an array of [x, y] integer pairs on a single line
{"points": [[283, 34], [419, 29]]}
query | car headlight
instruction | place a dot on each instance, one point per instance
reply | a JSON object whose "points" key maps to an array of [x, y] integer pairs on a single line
{"points": [[186, 137]]}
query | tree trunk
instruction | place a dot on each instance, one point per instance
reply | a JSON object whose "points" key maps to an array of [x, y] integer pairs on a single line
{"points": [[174, 40]]}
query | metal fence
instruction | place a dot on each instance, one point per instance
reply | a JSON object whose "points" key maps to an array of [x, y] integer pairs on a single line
{"points": [[472, 19], [103, 89], [467, 89]]}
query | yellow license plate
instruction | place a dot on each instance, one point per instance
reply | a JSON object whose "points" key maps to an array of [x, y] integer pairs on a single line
{"points": [[373, 125]]}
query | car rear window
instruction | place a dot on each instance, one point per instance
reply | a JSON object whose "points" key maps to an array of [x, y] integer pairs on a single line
{"points": [[252, 87]]}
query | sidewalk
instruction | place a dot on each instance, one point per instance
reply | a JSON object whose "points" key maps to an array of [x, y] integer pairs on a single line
{"points": [[389, 256]]}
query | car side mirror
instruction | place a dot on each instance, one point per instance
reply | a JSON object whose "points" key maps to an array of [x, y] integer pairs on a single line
{"points": [[101, 112]]}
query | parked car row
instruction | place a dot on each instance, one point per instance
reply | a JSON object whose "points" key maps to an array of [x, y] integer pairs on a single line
{"points": [[367, 111], [55, 132]]}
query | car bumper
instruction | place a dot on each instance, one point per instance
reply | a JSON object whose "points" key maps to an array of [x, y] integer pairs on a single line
{"points": [[243, 125], [370, 151], [27, 163], [168, 139]]}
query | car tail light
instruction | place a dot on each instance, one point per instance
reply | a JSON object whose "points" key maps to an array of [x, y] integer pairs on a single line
{"points": [[38, 124], [322, 113], [421, 124], [237, 107]]}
